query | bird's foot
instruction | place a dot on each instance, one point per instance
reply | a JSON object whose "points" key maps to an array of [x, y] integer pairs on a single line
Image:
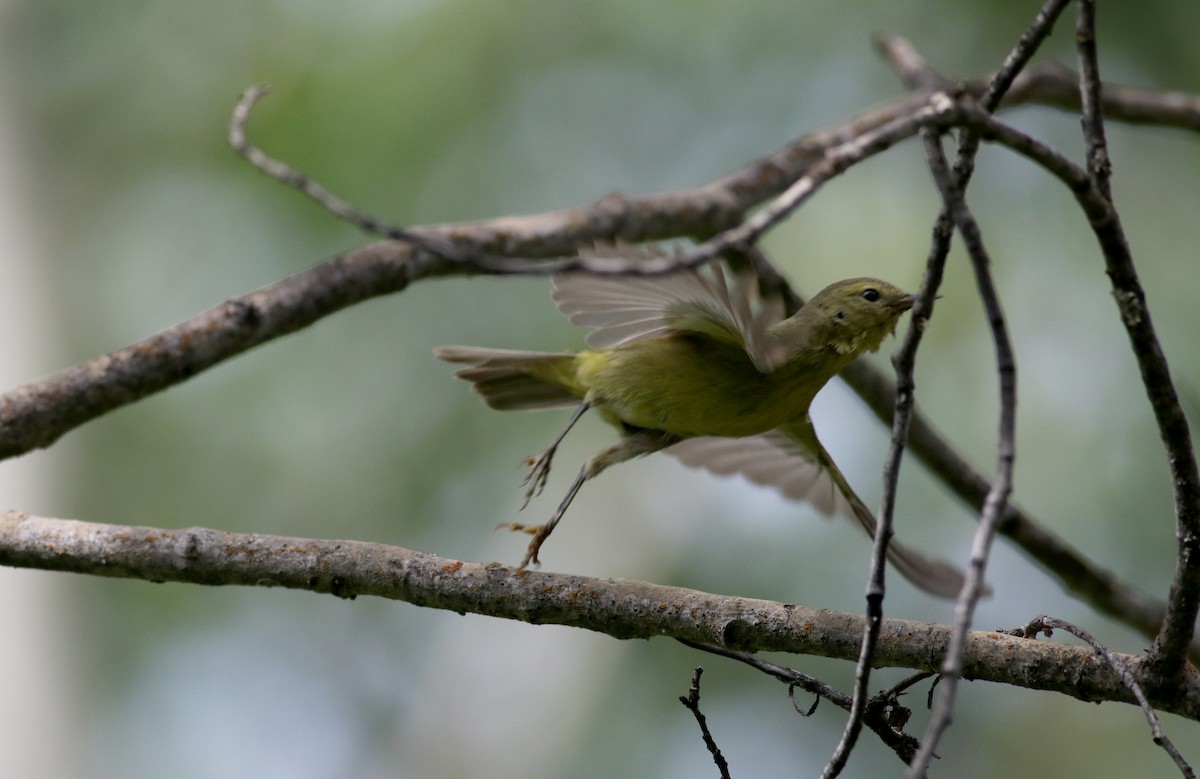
{"points": [[539, 471], [539, 532]]}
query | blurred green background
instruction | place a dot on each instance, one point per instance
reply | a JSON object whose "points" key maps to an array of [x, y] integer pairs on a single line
{"points": [[123, 212]]}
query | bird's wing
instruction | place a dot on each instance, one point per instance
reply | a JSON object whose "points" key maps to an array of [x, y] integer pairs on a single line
{"points": [[792, 460], [771, 460], [624, 309]]}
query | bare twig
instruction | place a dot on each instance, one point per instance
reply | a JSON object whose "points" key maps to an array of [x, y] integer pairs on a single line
{"points": [[791, 676], [619, 608], [1171, 646], [875, 588], [871, 627], [1081, 577], [318, 193], [877, 717], [742, 235], [952, 185], [1098, 164], [691, 702], [1055, 85], [1047, 625], [1169, 653], [1027, 45], [997, 498], [1050, 84]]}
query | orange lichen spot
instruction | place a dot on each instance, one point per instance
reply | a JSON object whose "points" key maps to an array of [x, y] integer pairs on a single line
{"points": [[452, 567]]}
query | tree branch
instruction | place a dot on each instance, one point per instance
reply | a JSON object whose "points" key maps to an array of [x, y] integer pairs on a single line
{"points": [[616, 607]]}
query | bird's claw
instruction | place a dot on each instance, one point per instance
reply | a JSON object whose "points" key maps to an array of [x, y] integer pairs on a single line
{"points": [[517, 527], [539, 472], [539, 532]]}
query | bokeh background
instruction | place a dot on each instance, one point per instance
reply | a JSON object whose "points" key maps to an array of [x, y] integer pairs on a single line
{"points": [[122, 212]]}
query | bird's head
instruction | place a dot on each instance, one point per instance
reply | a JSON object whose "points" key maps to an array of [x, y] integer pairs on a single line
{"points": [[853, 316]]}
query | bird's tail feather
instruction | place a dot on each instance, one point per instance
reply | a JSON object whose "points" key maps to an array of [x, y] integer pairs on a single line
{"points": [[511, 380]]}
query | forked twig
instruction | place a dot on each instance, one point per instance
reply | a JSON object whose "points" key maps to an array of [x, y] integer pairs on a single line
{"points": [[880, 716], [1047, 625], [691, 702]]}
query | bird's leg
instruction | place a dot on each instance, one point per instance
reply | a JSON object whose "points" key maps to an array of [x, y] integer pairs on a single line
{"points": [[634, 444], [539, 465]]}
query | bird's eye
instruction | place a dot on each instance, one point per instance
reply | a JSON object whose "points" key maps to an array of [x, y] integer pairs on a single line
{"points": [[870, 294]]}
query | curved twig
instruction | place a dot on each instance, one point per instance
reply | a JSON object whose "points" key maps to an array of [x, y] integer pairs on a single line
{"points": [[1048, 625]]}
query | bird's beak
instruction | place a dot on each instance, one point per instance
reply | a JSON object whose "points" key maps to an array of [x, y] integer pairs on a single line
{"points": [[906, 302]]}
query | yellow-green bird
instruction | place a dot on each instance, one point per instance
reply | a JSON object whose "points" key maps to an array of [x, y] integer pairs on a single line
{"points": [[710, 372]]}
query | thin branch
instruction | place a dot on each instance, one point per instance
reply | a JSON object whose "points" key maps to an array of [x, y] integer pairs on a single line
{"points": [[872, 624], [620, 608], [312, 189], [691, 702], [916, 74], [1027, 45], [1049, 84], [876, 588], [1177, 633], [1047, 625], [1054, 85], [919, 76], [790, 676], [1098, 163], [952, 186], [1092, 584], [876, 718], [1168, 656], [997, 498], [741, 235]]}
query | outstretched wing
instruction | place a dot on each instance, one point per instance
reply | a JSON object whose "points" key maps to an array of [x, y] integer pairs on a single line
{"points": [[792, 460], [771, 460], [624, 309]]}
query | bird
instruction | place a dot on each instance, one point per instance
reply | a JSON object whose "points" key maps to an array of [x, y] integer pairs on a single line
{"points": [[698, 364]]}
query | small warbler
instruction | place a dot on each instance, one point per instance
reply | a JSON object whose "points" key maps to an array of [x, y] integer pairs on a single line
{"points": [[708, 371]]}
